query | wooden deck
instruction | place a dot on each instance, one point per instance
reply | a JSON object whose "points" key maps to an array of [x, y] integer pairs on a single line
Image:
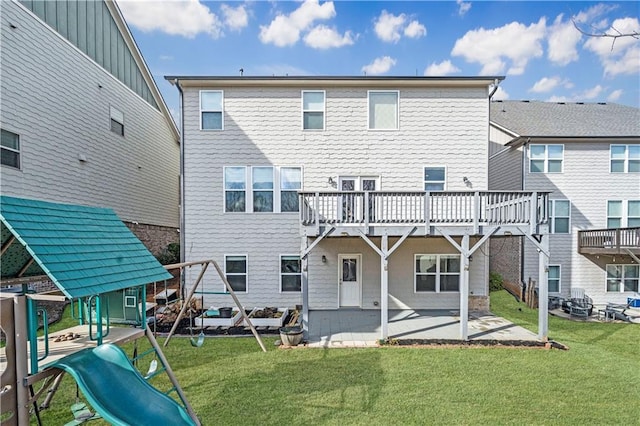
{"points": [[460, 212], [609, 241]]}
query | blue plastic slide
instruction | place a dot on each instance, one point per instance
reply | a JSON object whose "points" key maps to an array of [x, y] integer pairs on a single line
{"points": [[117, 391]]}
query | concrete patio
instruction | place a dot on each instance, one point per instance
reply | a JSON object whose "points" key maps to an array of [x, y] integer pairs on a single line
{"points": [[361, 328]]}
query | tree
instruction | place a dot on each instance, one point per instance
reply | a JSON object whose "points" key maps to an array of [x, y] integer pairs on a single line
{"points": [[613, 33]]}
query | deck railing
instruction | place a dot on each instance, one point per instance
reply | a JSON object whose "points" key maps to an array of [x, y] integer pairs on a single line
{"points": [[610, 239], [430, 208]]}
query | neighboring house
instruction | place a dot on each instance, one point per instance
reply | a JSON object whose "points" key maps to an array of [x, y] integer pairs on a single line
{"points": [[82, 119], [588, 156], [344, 192]]}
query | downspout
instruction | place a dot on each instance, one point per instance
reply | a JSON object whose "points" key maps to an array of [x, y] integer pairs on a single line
{"points": [[182, 185], [524, 186], [496, 83]]}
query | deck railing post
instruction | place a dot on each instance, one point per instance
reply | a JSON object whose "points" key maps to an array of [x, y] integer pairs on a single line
{"points": [[316, 219], [533, 213], [366, 210], [427, 213], [476, 213]]}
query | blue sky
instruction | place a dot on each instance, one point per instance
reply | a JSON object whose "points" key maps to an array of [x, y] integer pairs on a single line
{"points": [[534, 44]]}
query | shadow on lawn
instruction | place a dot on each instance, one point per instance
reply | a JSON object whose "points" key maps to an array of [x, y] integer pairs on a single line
{"points": [[315, 390]]}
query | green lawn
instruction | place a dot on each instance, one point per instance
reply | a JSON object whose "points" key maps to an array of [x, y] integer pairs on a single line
{"points": [[230, 381]]}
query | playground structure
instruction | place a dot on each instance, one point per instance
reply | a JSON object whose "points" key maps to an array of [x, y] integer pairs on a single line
{"points": [[91, 257]]}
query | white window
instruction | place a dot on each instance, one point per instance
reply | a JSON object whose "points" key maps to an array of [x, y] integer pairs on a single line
{"points": [[313, 109], [262, 186], [554, 279], [235, 270], [235, 189], [625, 158], [10, 143], [117, 121], [435, 178], [290, 184], [623, 278], [560, 215], [211, 110], [290, 273], [546, 158], [623, 213], [437, 273], [383, 110]]}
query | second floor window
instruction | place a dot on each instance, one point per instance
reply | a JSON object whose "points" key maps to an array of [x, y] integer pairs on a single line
{"points": [[211, 110], [262, 189], [625, 158], [434, 178], [546, 158], [235, 185], [290, 184], [383, 110], [270, 189], [10, 143], [117, 121], [623, 213], [560, 214], [313, 110]]}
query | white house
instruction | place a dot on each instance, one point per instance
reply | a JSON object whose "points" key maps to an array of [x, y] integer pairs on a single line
{"points": [[588, 156], [82, 119], [345, 192]]}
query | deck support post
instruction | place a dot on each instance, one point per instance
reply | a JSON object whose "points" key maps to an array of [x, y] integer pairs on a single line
{"points": [[543, 288], [384, 288], [22, 358], [304, 278], [464, 289]]}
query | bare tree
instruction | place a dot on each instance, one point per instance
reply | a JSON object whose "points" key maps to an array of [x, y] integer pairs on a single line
{"points": [[613, 33]]}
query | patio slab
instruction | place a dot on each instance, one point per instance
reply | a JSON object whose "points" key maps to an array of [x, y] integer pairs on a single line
{"points": [[361, 328]]}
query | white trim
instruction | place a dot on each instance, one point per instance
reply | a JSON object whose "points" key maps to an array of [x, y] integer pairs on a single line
{"points": [[546, 158], [246, 271], [18, 151], [280, 273], [624, 217], [397, 92], [224, 189], [625, 160], [273, 188], [553, 217], [559, 279], [324, 110], [424, 181], [200, 110], [437, 273]]}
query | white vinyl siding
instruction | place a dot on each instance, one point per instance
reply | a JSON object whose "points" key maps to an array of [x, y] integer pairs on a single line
{"points": [[546, 158], [313, 109], [435, 178], [560, 216], [235, 270], [10, 149], [437, 273], [211, 110], [624, 158], [554, 279], [623, 278], [290, 273], [383, 110]]}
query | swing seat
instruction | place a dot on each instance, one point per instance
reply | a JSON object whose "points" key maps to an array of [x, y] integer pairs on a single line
{"points": [[196, 343]]}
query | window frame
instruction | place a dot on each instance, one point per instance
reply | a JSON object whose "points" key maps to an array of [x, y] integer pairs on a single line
{"points": [[304, 111], [245, 273], [283, 274], [116, 116], [281, 190], [256, 190], [553, 216], [622, 278], [397, 120], [559, 279], [625, 161], [624, 217], [225, 190], [424, 180], [249, 190], [18, 151], [221, 111], [438, 274], [546, 158]]}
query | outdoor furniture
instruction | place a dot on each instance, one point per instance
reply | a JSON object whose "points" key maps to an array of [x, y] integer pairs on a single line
{"points": [[580, 307]]}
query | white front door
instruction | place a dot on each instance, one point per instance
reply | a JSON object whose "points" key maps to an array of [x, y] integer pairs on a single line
{"points": [[349, 276]]}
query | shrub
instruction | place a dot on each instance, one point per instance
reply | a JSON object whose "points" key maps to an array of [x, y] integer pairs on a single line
{"points": [[495, 281], [169, 255]]}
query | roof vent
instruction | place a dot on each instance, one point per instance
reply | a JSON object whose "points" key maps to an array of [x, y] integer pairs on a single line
{"points": [[579, 103], [526, 101], [561, 103], [602, 103]]}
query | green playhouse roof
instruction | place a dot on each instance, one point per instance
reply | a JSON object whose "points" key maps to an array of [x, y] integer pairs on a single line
{"points": [[83, 250]]}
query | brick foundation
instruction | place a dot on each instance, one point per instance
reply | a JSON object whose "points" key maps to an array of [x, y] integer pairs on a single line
{"points": [[478, 303], [155, 238]]}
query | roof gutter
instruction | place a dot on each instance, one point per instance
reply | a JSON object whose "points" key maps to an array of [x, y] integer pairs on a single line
{"points": [[496, 84]]}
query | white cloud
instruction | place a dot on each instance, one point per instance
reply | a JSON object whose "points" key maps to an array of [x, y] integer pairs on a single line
{"points": [[463, 7], [278, 70], [614, 96], [563, 39], [514, 42], [501, 94], [547, 84], [415, 30], [235, 18], [586, 95], [558, 99], [592, 93], [379, 66], [621, 56], [443, 68], [388, 27], [166, 58], [285, 30], [186, 18], [323, 37]]}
